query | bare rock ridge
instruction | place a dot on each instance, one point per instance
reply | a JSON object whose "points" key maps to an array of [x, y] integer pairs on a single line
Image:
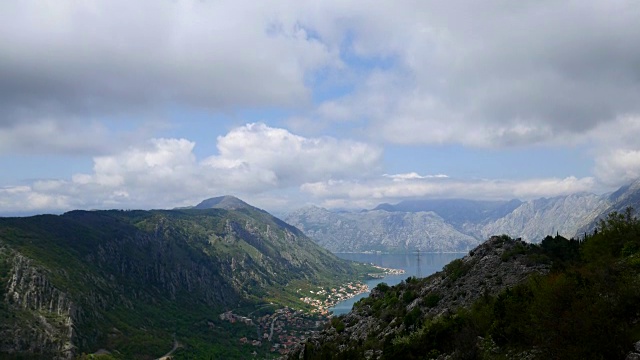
{"points": [[458, 224], [626, 196], [379, 230]]}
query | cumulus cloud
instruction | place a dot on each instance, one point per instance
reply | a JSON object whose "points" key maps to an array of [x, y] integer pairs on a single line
{"points": [[480, 74], [265, 155], [251, 160], [74, 65], [618, 166], [413, 176], [489, 75], [616, 151]]}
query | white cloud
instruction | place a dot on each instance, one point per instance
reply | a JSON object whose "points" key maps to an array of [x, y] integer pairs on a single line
{"points": [[488, 75], [387, 189], [91, 57], [273, 156], [252, 160], [479, 74], [618, 167], [616, 150], [413, 176], [69, 70], [21, 199]]}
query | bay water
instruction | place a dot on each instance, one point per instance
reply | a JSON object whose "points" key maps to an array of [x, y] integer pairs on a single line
{"points": [[414, 264]]}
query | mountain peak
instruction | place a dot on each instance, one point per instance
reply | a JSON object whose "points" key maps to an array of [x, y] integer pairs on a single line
{"points": [[226, 202], [385, 207]]}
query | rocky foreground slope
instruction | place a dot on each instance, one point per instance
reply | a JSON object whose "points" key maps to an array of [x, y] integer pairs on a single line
{"points": [[507, 299], [487, 270]]}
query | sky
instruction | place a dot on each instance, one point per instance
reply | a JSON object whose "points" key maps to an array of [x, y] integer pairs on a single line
{"points": [[337, 103]]}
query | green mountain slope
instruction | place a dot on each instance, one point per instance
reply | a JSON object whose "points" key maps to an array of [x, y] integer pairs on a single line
{"points": [[131, 282]]}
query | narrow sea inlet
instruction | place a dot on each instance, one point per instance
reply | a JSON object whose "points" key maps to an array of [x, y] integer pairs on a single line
{"points": [[414, 264]]}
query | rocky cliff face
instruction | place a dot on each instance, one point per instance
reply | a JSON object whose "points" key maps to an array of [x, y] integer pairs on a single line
{"points": [[535, 219], [620, 200], [380, 230], [49, 329], [56, 300], [455, 225]]}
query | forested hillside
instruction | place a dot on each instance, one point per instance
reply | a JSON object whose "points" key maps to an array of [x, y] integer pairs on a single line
{"points": [[137, 283]]}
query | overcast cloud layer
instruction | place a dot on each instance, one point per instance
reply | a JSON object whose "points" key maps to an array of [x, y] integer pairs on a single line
{"points": [[346, 80]]}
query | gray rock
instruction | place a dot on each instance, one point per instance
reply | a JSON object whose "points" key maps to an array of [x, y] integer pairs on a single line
{"points": [[380, 230], [478, 276]]}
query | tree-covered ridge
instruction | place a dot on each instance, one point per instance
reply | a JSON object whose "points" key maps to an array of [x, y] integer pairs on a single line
{"points": [[138, 282], [587, 306]]}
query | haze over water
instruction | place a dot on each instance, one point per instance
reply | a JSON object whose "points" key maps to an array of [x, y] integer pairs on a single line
{"points": [[428, 264]]}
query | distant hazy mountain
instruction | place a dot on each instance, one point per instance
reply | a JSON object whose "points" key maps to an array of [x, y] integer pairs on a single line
{"points": [[455, 224], [380, 230], [626, 196], [226, 202], [535, 219], [457, 211]]}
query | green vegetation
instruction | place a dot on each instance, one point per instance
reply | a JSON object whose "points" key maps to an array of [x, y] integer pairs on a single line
{"points": [[144, 279], [586, 307], [456, 269]]}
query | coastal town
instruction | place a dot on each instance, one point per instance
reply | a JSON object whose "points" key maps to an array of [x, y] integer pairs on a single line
{"points": [[322, 300], [385, 272], [286, 327]]}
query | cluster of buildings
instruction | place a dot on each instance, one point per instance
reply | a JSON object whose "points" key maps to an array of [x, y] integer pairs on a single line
{"points": [[280, 331], [322, 300], [386, 271], [233, 318], [286, 327]]}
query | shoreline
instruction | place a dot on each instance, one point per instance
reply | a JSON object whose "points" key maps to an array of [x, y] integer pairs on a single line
{"points": [[334, 296], [400, 253], [385, 272], [347, 291]]}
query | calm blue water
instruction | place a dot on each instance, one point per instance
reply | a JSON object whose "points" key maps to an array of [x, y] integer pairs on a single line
{"points": [[429, 263]]}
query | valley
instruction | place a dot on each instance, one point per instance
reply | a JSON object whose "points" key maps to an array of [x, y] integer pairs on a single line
{"points": [[132, 282], [229, 280]]}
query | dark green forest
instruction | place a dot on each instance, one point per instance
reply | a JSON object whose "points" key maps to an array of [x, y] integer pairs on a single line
{"points": [[136, 283]]}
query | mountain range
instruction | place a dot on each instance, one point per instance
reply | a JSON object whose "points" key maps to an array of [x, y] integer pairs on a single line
{"points": [[506, 299], [458, 224], [134, 283]]}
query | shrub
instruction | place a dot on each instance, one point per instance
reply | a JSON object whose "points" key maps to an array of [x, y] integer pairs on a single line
{"points": [[456, 269]]}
